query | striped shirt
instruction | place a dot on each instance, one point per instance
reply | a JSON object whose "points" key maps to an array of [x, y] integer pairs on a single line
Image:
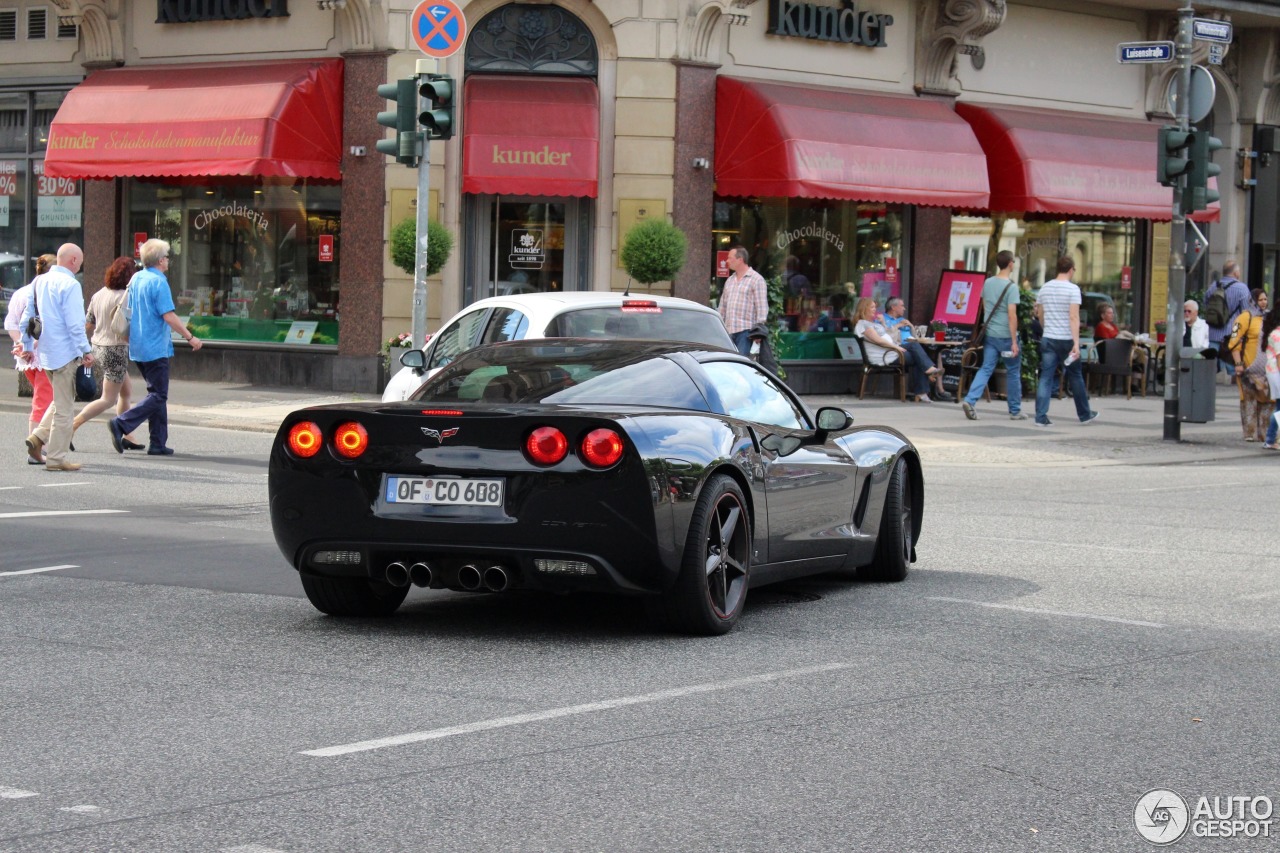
{"points": [[1056, 298], [744, 302]]}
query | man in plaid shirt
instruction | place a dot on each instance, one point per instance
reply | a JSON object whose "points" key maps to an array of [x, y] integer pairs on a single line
{"points": [[744, 302]]}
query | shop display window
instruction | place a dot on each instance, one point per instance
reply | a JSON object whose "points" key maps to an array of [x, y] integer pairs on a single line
{"points": [[819, 255], [1106, 254], [37, 213], [251, 260]]}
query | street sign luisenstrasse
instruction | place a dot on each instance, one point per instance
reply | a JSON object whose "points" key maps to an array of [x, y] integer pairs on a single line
{"points": [[1207, 29], [1145, 51]]}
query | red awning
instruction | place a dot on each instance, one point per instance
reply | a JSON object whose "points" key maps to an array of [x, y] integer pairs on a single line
{"points": [[266, 118], [1072, 164], [530, 136], [774, 139]]}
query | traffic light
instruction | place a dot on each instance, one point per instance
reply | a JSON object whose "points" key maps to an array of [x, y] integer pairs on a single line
{"points": [[437, 118], [1197, 195], [1172, 162], [403, 119]]}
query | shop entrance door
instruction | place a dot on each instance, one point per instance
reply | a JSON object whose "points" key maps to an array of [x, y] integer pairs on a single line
{"points": [[526, 244]]}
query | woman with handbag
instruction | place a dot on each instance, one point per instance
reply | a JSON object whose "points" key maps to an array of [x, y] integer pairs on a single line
{"points": [[1249, 356], [42, 390], [108, 328]]}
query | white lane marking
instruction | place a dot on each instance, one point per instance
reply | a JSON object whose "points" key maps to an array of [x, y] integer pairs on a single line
{"points": [[10, 488], [569, 711], [36, 571], [47, 512], [60, 485], [1041, 612], [15, 793], [251, 848], [85, 809]]}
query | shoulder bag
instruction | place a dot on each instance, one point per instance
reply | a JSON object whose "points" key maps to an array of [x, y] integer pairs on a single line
{"points": [[119, 322], [35, 326]]}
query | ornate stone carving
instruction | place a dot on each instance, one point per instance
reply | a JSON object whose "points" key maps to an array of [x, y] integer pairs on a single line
{"points": [[363, 25], [529, 38], [947, 29]]}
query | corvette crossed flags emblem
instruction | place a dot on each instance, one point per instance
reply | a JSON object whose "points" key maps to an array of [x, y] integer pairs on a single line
{"points": [[439, 434]]}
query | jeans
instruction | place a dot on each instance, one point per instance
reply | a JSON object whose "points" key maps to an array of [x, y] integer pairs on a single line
{"points": [[742, 340], [1053, 353], [991, 350], [1273, 426], [154, 408], [918, 362]]}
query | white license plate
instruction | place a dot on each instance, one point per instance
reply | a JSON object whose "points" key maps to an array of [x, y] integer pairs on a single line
{"points": [[444, 491]]}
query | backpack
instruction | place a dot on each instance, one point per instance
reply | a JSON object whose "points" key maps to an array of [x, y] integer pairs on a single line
{"points": [[1215, 308]]}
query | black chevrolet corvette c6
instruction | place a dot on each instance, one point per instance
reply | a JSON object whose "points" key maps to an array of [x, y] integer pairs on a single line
{"points": [[639, 467]]}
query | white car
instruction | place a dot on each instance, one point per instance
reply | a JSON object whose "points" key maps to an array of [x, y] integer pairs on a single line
{"points": [[571, 314]]}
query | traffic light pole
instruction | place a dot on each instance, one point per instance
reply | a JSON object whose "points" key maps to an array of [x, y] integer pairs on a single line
{"points": [[1177, 238], [418, 325]]}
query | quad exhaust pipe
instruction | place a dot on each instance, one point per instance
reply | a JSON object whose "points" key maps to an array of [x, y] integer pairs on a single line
{"points": [[472, 577]]}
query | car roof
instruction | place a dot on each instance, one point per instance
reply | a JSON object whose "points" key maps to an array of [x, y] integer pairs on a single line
{"points": [[541, 307]]}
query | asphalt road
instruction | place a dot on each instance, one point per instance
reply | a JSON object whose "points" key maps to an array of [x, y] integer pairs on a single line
{"points": [[1075, 634]]}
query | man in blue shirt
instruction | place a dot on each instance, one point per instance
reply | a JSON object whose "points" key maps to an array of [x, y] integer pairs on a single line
{"points": [[151, 316], [59, 301]]}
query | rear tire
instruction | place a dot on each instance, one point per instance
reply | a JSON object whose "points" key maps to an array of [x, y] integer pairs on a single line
{"points": [[897, 531], [353, 596], [711, 590]]}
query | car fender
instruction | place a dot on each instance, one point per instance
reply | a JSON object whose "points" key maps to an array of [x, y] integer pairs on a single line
{"points": [[876, 450]]}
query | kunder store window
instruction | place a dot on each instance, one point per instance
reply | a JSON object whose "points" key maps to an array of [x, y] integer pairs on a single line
{"points": [[253, 261]]}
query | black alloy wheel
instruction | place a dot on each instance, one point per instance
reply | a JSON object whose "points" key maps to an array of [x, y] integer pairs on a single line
{"points": [[709, 595], [897, 531], [353, 596]]}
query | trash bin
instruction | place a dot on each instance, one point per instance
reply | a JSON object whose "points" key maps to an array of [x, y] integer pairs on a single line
{"points": [[1197, 391]]}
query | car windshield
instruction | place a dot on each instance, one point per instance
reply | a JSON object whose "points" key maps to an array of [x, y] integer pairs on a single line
{"points": [[574, 374], [644, 320]]}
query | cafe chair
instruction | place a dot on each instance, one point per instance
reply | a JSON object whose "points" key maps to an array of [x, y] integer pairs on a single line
{"points": [[970, 364], [1114, 358], [897, 369]]}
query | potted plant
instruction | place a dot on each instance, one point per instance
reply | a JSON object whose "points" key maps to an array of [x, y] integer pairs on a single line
{"points": [[653, 250], [1161, 328], [939, 329], [404, 245]]}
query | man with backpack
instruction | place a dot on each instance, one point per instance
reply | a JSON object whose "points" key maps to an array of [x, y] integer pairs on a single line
{"points": [[1223, 302]]}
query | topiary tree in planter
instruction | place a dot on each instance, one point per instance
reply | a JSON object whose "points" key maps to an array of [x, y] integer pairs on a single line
{"points": [[404, 249], [653, 250], [1030, 346]]}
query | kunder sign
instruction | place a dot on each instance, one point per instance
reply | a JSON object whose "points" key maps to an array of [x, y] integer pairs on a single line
{"points": [[843, 23], [194, 11]]}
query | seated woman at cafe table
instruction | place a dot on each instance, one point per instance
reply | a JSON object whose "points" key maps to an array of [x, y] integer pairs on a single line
{"points": [[1106, 327], [883, 349]]}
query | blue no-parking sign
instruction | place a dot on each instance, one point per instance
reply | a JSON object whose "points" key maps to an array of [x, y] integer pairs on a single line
{"points": [[438, 27]]}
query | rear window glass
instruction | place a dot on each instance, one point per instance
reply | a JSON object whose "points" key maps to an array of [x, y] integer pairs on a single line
{"points": [[565, 375], [664, 324]]}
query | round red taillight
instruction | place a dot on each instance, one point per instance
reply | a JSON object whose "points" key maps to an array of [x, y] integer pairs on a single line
{"points": [[601, 448], [546, 446], [350, 440], [305, 439]]}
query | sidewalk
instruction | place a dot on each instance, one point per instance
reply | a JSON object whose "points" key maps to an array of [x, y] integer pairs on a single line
{"points": [[1128, 431]]}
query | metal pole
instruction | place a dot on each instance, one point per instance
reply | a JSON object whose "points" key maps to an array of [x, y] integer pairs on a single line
{"points": [[418, 327], [1177, 239]]}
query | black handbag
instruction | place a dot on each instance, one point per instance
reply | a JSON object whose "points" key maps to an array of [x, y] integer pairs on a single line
{"points": [[86, 386], [34, 325]]}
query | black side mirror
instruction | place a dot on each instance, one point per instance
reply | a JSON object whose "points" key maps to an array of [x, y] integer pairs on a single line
{"points": [[414, 359]]}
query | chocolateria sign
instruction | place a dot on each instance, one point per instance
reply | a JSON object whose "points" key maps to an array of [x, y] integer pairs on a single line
{"points": [[843, 23], [192, 11]]}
